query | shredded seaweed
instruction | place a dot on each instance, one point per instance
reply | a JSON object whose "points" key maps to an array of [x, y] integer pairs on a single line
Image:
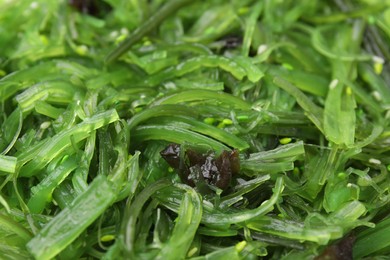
{"points": [[186, 129]]}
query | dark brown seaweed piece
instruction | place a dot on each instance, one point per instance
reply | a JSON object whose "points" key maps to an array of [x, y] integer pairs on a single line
{"points": [[171, 155], [224, 166], [84, 6], [96, 8], [234, 161], [194, 157], [231, 42], [342, 250], [198, 167]]}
